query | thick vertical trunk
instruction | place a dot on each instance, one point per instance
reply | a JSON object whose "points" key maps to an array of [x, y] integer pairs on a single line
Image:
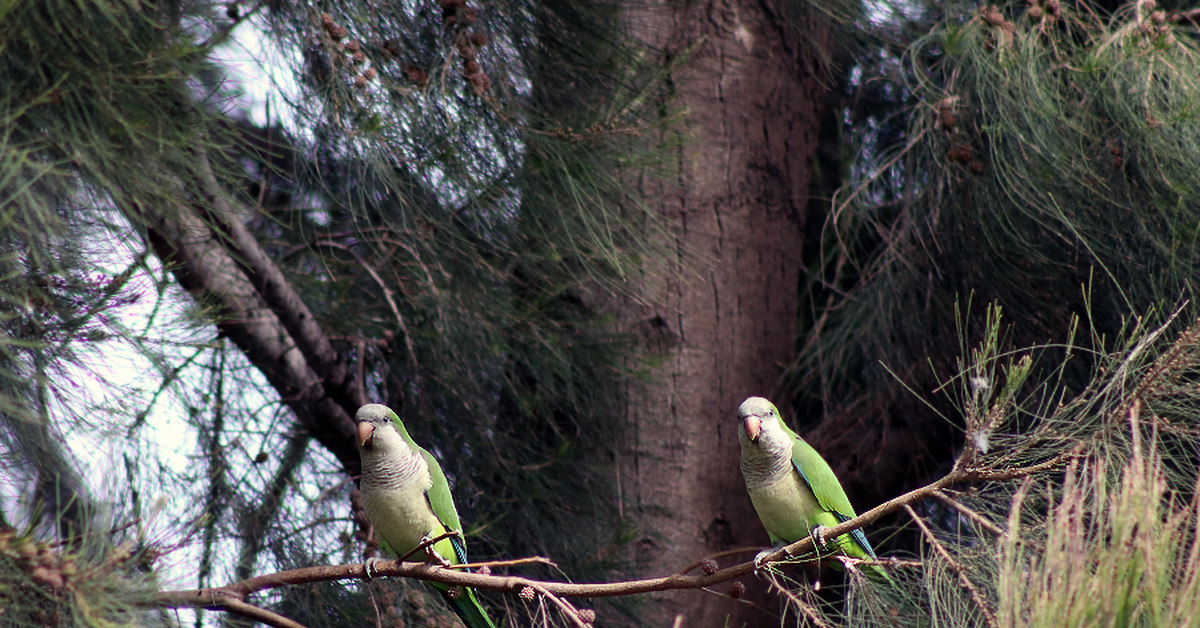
{"points": [[726, 303]]}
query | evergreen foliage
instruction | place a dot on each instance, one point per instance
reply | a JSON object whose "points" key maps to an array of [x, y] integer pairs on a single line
{"points": [[444, 187], [443, 191], [470, 204], [1035, 157], [85, 582], [1043, 166]]}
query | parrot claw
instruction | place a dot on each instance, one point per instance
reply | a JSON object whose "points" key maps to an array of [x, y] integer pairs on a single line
{"points": [[434, 557], [760, 559], [818, 534], [369, 566]]}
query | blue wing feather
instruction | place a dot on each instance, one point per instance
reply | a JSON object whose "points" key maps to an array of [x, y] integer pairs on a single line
{"points": [[824, 501]]}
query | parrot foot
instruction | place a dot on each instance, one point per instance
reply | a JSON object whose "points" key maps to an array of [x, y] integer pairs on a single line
{"points": [[427, 542], [370, 566], [760, 559], [818, 534]]}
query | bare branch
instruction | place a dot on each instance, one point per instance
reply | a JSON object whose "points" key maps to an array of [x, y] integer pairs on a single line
{"points": [[566, 607], [203, 598], [489, 564], [220, 597]]}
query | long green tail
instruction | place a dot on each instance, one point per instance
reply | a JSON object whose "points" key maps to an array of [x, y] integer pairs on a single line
{"points": [[855, 545], [468, 609]]}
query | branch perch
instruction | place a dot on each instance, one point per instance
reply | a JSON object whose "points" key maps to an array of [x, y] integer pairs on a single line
{"points": [[232, 597]]}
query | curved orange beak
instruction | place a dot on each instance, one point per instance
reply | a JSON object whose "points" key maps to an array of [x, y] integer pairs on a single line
{"points": [[365, 432], [753, 426]]}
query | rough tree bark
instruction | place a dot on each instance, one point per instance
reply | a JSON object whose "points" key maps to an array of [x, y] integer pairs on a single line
{"points": [[726, 304]]}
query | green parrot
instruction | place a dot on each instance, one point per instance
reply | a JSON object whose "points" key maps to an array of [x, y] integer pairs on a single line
{"points": [[408, 501], [793, 490]]}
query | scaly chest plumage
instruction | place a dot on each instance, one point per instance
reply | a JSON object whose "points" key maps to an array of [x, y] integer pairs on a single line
{"points": [[788, 509], [401, 517]]}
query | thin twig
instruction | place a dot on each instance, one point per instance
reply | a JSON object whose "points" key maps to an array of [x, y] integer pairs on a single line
{"points": [[1191, 15], [564, 606], [78, 538], [209, 599], [837, 211], [984, 607], [802, 606], [427, 543], [512, 562], [222, 34], [971, 514], [388, 296], [238, 607]]}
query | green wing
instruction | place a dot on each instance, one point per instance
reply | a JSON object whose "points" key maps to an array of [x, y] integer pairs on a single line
{"points": [[442, 503], [825, 486], [466, 605]]}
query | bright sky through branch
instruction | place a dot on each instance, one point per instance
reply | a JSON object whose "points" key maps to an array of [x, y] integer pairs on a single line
{"points": [[261, 75]]}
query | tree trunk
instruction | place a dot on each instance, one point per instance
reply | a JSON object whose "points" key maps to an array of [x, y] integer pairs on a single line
{"points": [[726, 303]]}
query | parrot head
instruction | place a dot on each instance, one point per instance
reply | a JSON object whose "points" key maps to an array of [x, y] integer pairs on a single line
{"points": [[377, 431], [759, 424]]}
